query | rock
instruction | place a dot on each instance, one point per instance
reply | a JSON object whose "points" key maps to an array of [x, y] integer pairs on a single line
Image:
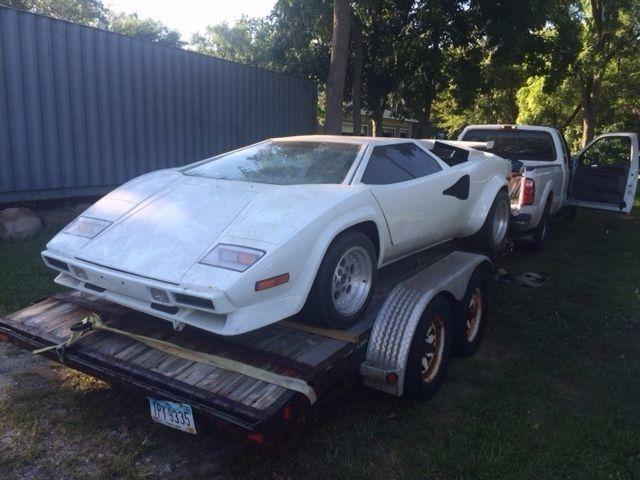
{"points": [[19, 223], [56, 217]]}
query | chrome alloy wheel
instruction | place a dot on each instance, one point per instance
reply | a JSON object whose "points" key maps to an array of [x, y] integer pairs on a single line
{"points": [[352, 281], [474, 315], [500, 222], [433, 350]]}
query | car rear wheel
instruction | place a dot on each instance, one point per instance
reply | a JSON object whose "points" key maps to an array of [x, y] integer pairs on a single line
{"points": [[493, 234], [345, 281]]}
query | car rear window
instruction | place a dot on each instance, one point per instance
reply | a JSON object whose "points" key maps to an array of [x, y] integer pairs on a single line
{"points": [[516, 144], [282, 162], [398, 163]]}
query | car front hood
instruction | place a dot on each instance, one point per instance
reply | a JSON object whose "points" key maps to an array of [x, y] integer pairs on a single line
{"points": [[165, 236]]}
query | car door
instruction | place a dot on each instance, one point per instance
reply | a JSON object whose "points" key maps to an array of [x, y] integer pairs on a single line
{"points": [[605, 173], [410, 186]]}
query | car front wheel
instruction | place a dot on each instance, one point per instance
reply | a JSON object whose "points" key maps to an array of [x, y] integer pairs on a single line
{"points": [[345, 281]]}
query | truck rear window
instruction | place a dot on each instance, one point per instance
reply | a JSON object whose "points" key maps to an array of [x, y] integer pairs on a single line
{"points": [[516, 144]]}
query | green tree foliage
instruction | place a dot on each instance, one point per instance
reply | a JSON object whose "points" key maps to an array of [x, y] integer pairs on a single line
{"points": [[144, 28], [249, 41], [95, 14], [447, 63], [86, 12]]}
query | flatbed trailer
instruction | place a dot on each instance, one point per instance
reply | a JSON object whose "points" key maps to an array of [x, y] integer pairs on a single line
{"points": [[327, 360]]}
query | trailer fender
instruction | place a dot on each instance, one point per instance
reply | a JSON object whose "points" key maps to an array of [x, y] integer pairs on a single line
{"points": [[397, 319]]}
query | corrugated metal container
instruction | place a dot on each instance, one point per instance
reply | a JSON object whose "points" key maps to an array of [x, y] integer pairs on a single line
{"points": [[83, 110]]}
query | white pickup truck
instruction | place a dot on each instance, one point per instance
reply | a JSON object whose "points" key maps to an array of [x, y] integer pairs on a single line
{"points": [[546, 179]]}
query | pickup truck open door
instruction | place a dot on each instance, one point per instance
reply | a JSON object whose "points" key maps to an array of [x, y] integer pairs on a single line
{"points": [[605, 173]]}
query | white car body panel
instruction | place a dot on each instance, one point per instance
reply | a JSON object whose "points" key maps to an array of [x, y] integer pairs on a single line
{"points": [[165, 222]]}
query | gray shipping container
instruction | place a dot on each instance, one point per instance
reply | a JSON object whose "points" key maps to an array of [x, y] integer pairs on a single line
{"points": [[83, 110]]}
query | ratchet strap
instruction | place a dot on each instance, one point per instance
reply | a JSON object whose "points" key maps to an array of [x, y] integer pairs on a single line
{"points": [[93, 322], [342, 335]]}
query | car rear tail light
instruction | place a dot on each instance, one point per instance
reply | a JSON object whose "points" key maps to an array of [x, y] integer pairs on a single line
{"points": [[160, 295], [528, 191], [272, 282], [80, 273]]}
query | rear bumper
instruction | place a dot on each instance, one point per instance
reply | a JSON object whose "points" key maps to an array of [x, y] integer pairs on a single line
{"points": [[520, 223], [206, 308]]}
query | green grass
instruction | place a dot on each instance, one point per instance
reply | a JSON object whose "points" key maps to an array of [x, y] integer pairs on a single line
{"points": [[24, 277], [554, 392]]}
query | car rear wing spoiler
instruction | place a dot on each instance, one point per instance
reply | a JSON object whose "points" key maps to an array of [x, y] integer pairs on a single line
{"points": [[485, 146], [454, 152]]}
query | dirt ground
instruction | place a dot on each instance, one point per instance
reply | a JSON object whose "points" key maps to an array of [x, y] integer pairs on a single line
{"points": [[84, 429]]}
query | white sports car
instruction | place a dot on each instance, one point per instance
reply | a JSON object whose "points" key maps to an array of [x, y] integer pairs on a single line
{"points": [[248, 238]]}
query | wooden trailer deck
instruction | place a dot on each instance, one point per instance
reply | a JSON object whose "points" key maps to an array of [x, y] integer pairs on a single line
{"points": [[234, 402]]}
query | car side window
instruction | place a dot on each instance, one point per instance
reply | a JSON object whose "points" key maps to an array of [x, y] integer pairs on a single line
{"points": [[398, 163]]}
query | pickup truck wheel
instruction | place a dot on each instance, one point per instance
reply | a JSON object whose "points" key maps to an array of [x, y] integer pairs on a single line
{"points": [[345, 281], [541, 232], [430, 351], [493, 234], [570, 212], [471, 314]]}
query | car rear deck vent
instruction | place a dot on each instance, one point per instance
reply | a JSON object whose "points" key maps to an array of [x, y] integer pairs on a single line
{"points": [[57, 264], [193, 301], [95, 288]]}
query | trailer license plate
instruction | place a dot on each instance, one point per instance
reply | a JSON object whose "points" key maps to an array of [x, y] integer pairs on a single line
{"points": [[174, 415]]}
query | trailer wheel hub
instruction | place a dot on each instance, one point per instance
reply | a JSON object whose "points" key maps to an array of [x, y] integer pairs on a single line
{"points": [[433, 349], [474, 315]]}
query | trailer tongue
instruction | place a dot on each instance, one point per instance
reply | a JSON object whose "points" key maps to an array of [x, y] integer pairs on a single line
{"points": [[261, 385]]}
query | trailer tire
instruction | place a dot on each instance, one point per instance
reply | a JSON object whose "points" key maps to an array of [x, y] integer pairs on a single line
{"points": [[322, 304], [472, 313], [433, 336]]}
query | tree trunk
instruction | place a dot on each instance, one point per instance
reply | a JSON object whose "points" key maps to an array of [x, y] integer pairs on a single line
{"points": [[338, 66], [377, 116], [591, 85], [590, 96], [424, 122], [356, 86]]}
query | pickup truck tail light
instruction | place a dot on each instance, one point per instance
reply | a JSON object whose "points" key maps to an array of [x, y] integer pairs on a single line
{"points": [[528, 191]]}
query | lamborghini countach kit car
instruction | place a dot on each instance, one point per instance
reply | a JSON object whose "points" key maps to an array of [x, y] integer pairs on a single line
{"points": [[247, 238]]}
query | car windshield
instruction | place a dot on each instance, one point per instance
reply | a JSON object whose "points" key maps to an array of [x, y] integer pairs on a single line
{"points": [[516, 144], [282, 163]]}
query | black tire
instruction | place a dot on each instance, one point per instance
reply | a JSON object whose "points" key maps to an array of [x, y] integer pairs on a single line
{"points": [[541, 232], [570, 212], [472, 313], [421, 384], [320, 306], [484, 239]]}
